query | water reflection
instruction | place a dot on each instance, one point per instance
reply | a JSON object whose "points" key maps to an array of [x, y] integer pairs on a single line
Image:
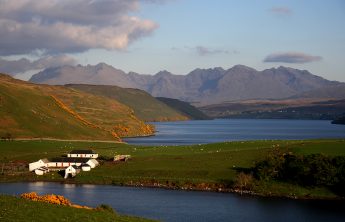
{"points": [[170, 205]]}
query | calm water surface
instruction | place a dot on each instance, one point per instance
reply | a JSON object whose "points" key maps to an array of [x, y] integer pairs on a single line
{"points": [[169, 205], [220, 130]]}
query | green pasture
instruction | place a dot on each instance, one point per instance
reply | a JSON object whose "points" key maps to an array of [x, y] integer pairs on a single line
{"points": [[16, 209], [214, 163]]}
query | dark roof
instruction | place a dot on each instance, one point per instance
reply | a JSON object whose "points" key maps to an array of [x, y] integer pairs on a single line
{"points": [[69, 160], [45, 160], [82, 152]]}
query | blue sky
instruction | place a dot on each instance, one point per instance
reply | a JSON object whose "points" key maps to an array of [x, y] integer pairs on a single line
{"points": [[181, 35]]}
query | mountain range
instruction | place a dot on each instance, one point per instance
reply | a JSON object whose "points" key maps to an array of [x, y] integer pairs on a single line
{"points": [[201, 86]]}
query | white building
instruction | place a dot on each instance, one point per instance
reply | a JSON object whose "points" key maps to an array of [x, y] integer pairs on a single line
{"points": [[83, 154], [85, 167], [92, 162], [71, 171], [62, 162], [71, 165], [40, 163], [122, 158], [42, 170]]}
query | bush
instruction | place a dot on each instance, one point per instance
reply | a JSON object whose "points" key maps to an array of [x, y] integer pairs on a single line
{"points": [[105, 207], [310, 170]]}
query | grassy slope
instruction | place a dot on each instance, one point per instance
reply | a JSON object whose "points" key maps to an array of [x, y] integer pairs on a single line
{"points": [[180, 166], [29, 110], [16, 209], [184, 108], [144, 105]]}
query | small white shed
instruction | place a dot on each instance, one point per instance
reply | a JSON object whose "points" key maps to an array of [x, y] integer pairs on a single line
{"points": [[92, 162], [85, 167], [40, 163], [122, 158], [71, 171], [41, 170]]}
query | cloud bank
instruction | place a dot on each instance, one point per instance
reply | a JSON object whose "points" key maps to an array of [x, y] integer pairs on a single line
{"points": [[65, 26], [204, 51], [14, 67], [292, 57]]}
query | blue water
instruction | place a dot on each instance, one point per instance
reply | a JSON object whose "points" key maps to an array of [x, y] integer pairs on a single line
{"points": [[220, 130], [170, 205]]}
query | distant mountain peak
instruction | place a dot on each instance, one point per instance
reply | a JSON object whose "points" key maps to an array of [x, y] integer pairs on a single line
{"points": [[103, 65], [240, 67], [163, 73]]}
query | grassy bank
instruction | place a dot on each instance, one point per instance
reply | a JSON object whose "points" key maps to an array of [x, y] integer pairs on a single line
{"points": [[16, 209], [203, 167]]}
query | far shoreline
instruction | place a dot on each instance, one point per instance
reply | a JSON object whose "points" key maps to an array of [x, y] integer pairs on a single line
{"points": [[244, 193]]}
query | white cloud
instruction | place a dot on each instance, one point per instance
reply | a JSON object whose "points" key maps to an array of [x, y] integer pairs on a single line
{"points": [[62, 26]]}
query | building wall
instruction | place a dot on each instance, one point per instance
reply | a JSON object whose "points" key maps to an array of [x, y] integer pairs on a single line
{"points": [[93, 163], [94, 156], [62, 164]]}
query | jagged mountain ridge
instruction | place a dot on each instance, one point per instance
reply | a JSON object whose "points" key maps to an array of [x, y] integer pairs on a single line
{"points": [[201, 86]]}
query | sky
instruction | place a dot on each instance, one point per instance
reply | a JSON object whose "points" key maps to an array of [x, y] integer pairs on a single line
{"points": [[147, 36]]}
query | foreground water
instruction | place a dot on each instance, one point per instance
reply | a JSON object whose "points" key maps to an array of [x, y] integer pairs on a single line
{"points": [[220, 130], [170, 205]]}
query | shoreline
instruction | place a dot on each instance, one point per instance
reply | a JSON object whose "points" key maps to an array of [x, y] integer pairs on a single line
{"points": [[67, 140], [213, 189]]}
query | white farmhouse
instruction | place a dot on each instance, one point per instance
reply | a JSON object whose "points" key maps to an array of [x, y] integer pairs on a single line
{"points": [[40, 163], [83, 154]]}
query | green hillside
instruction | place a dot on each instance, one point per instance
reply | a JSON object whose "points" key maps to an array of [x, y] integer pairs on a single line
{"points": [[39, 111], [144, 105], [17, 209], [184, 108]]}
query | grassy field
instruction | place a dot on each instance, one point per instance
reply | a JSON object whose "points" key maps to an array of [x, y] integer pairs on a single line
{"points": [[210, 166], [16, 209]]}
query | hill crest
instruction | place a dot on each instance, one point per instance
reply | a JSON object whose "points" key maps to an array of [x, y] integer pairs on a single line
{"points": [[41, 111]]}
